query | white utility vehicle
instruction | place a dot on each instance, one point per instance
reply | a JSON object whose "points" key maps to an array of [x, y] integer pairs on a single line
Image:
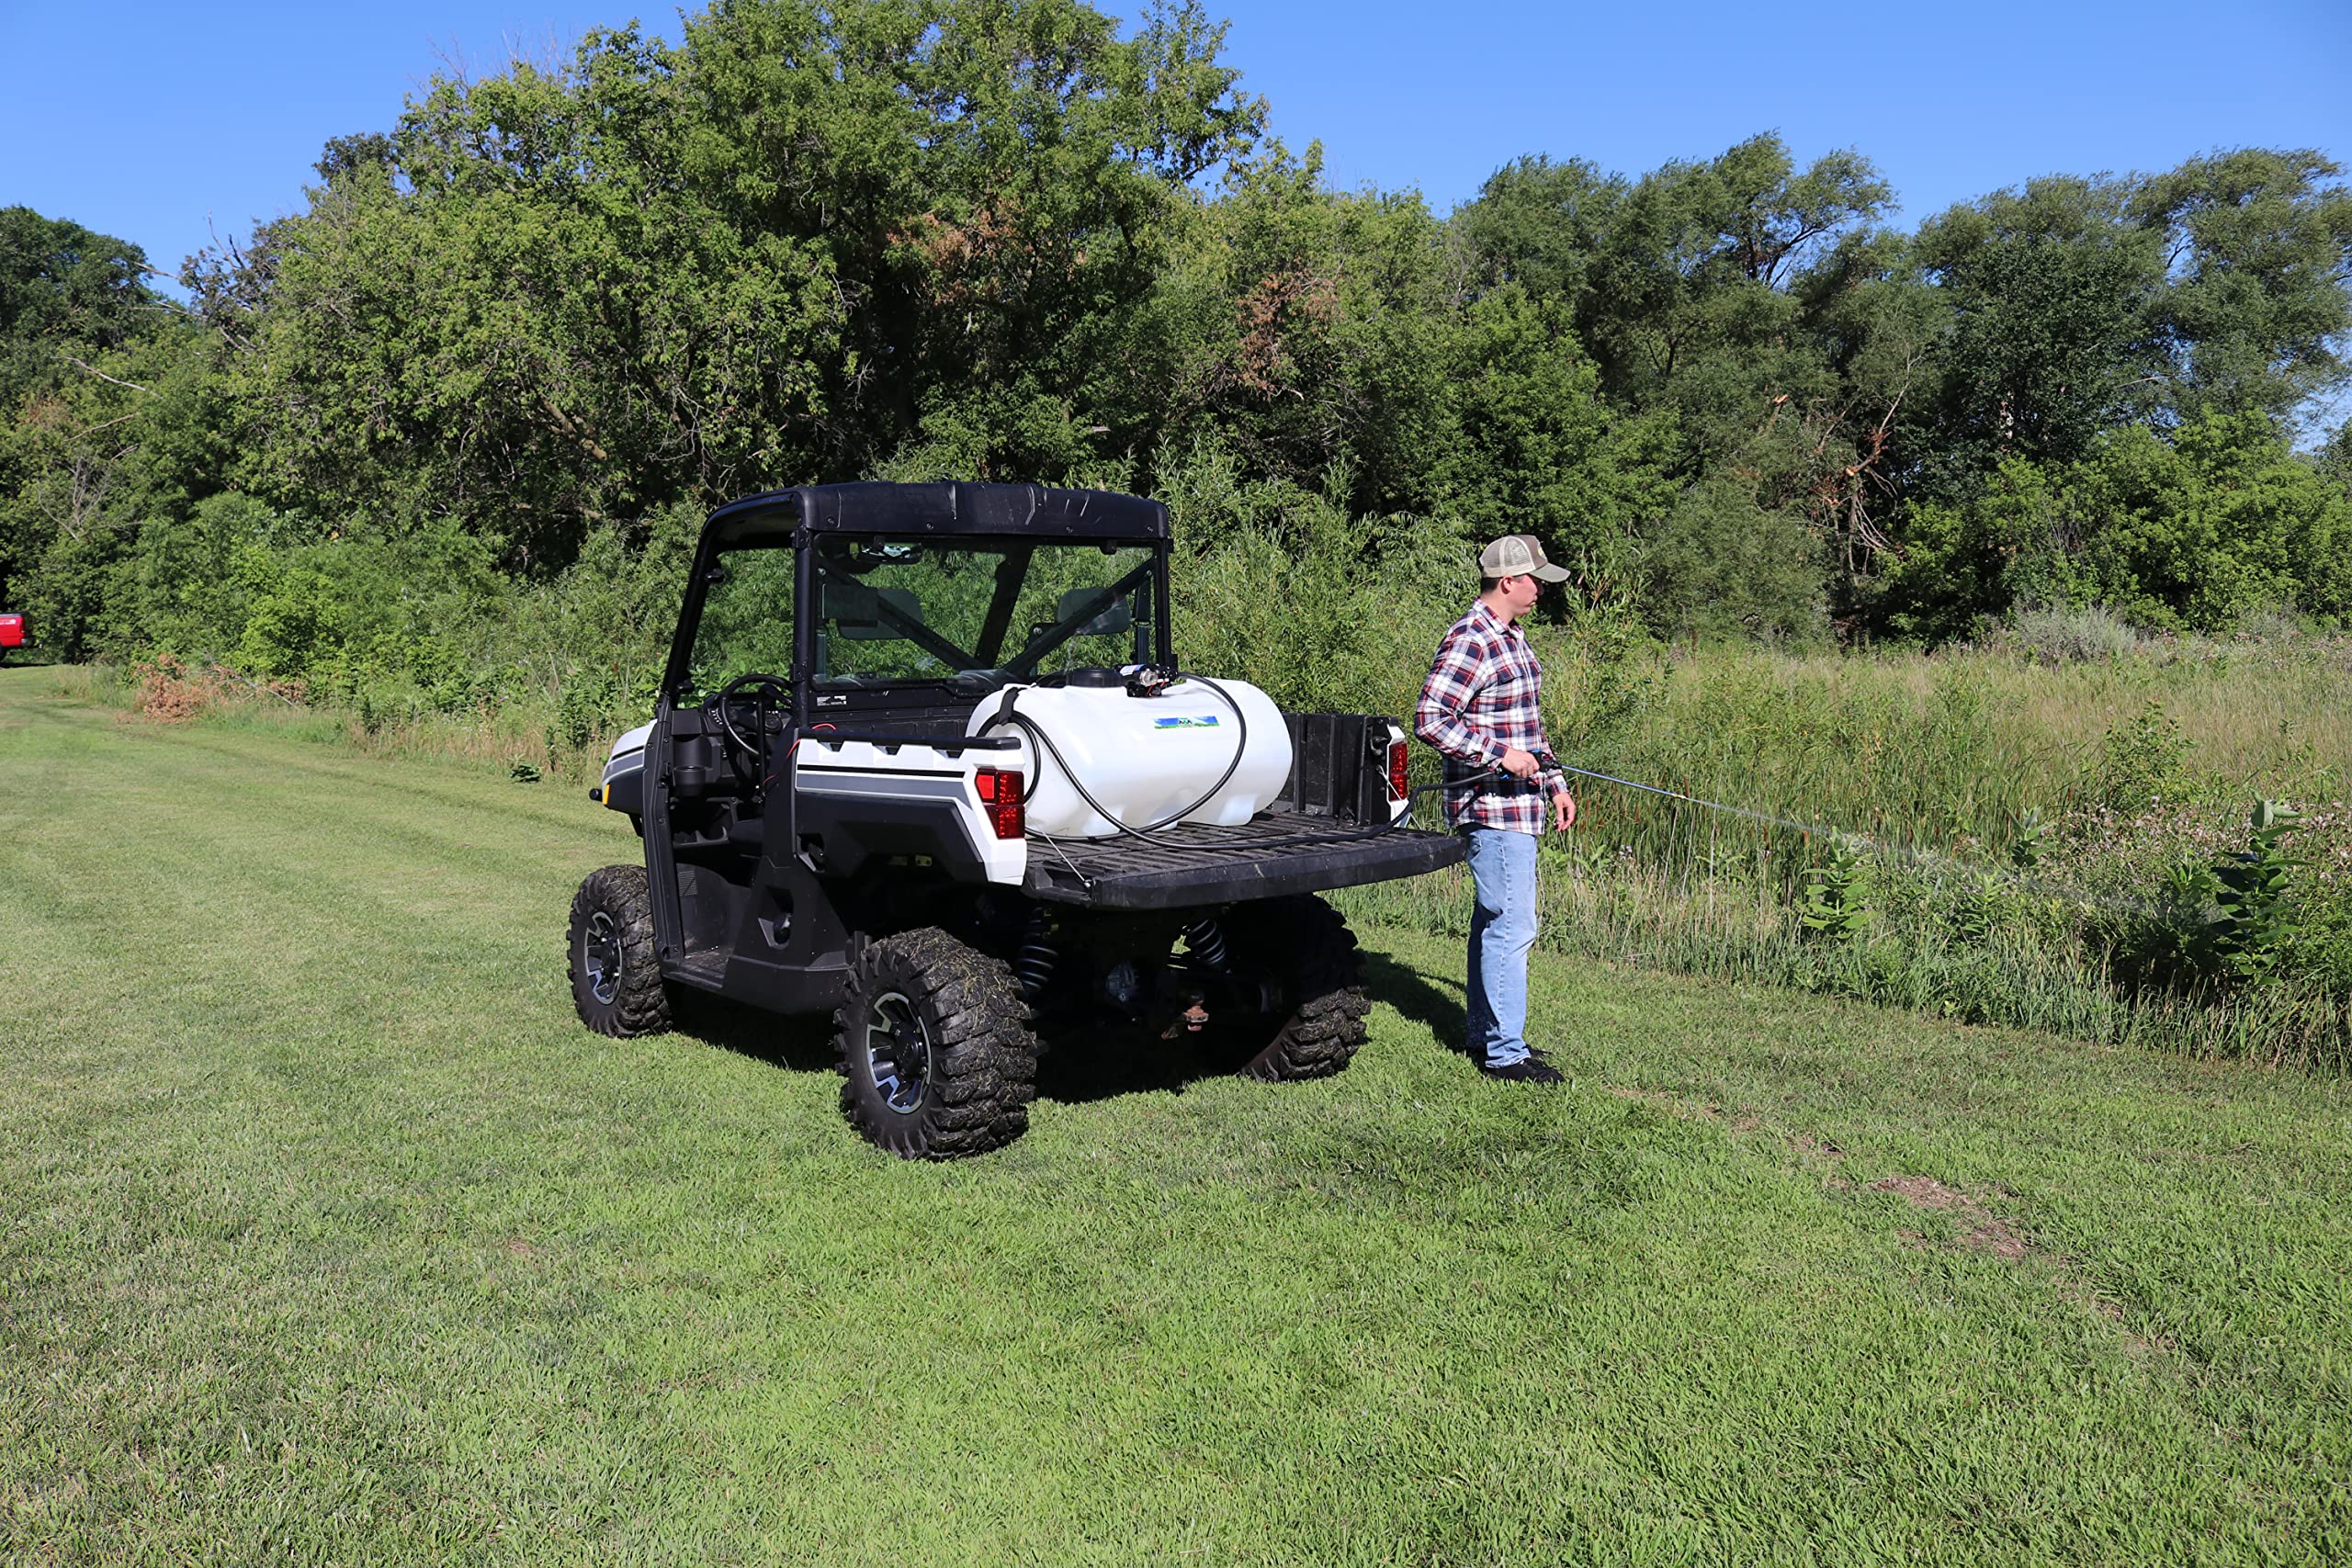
{"points": [[922, 757]]}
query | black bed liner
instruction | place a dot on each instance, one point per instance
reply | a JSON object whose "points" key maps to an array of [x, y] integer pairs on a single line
{"points": [[1191, 864]]}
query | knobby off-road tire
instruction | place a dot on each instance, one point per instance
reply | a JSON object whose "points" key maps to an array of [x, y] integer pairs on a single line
{"points": [[932, 1043], [1306, 945], [616, 978]]}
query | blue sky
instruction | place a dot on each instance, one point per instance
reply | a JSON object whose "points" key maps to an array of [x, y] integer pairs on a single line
{"points": [[159, 124]]}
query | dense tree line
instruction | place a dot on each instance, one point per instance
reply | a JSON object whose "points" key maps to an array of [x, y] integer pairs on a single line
{"points": [[521, 336]]}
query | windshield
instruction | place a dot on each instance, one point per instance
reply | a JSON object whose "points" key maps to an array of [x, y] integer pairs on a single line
{"points": [[898, 609]]}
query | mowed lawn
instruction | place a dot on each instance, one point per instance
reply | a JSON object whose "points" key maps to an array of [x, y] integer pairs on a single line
{"points": [[327, 1234]]}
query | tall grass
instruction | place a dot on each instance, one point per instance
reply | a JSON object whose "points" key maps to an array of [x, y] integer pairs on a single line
{"points": [[1929, 949], [496, 736], [1943, 749]]}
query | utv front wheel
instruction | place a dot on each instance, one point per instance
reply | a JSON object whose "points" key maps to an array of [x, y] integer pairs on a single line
{"points": [[615, 979], [1311, 956], [933, 1043]]}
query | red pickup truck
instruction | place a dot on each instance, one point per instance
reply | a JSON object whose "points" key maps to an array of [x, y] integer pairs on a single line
{"points": [[12, 634]]}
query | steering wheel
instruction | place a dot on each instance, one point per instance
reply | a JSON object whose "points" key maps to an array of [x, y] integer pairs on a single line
{"points": [[770, 688]]}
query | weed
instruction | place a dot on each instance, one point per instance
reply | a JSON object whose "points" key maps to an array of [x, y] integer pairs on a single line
{"points": [[2032, 841], [2141, 761], [2258, 921], [1836, 904], [2071, 635]]}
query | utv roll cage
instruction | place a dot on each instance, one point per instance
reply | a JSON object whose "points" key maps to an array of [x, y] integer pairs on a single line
{"points": [[949, 509]]}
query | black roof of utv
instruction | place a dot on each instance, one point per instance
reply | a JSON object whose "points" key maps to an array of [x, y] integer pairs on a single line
{"points": [[1037, 511]]}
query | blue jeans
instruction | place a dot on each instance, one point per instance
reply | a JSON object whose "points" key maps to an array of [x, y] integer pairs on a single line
{"points": [[1502, 928]]}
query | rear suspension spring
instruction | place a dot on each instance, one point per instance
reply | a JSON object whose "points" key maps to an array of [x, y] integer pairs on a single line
{"points": [[1034, 966], [1205, 940]]}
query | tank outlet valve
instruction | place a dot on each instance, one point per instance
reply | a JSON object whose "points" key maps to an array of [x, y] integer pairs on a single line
{"points": [[1148, 680]]}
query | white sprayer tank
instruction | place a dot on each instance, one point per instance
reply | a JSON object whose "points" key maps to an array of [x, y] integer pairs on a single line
{"points": [[1145, 758]]}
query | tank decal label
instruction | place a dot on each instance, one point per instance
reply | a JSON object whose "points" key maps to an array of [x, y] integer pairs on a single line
{"points": [[1205, 721]]}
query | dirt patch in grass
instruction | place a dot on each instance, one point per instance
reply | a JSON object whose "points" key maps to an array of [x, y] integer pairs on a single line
{"points": [[1980, 1229], [2138, 1344], [1744, 1121]]}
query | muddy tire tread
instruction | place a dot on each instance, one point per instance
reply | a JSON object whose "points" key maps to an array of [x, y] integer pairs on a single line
{"points": [[1325, 1026], [984, 1057], [642, 1004]]}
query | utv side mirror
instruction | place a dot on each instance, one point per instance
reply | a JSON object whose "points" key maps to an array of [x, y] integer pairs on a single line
{"points": [[1110, 621]]}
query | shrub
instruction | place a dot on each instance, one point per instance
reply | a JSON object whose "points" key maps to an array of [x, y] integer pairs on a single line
{"points": [[1720, 568], [584, 711], [2197, 531], [2064, 634], [2141, 761]]}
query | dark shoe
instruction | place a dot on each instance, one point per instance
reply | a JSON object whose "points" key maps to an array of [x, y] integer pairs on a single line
{"points": [[1535, 1069]]}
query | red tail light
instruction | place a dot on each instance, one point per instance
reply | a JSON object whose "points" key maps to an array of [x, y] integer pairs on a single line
{"points": [[1397, 787], [1000, 798]]}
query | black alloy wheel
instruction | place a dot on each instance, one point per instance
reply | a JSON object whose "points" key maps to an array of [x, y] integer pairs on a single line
{"points": [[897, 1051]]}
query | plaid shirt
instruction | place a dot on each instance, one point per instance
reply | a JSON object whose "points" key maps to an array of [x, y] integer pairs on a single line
{"points": [[1479, 699]]}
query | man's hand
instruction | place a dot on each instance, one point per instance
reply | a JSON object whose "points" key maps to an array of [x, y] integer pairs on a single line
{"points": [[1563, 812], [1519, 764]]}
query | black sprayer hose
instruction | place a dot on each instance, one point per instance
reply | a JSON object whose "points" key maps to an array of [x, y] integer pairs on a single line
{"points": [[1009, 714], [1318, 839]]}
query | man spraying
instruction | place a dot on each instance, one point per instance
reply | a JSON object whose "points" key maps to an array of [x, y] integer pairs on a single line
{"points": [[1479, 709]]}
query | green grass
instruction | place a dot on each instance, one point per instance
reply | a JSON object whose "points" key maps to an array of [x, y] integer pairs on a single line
{"points": [[326, 1234]]}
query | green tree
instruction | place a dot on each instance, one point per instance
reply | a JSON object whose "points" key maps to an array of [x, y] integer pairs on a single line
{"points": [[110, 416], [2259, 251], [1318, 335], [74, 304], [1542, 225], [1744, 304], [1532, 448], [2053, 290], [782, 249], [2195, 531], [66, 293], [2221, 521]]}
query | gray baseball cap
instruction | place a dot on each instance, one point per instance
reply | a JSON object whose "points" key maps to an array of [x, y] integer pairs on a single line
{"points": [[1518, 554]]}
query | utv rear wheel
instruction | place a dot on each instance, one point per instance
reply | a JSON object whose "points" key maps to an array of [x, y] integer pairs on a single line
{"points": [[1311, 956], [615, 979], [932, 1043]]}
